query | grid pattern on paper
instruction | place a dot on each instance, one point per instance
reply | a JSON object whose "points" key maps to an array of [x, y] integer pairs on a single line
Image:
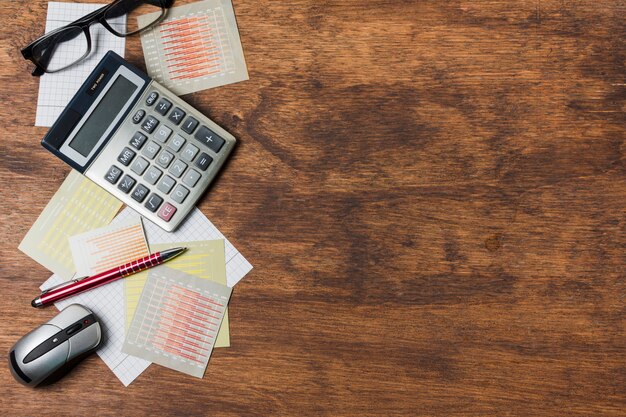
{"points": [[198, 227], [177, 320], [107, 303], [57, 89]]}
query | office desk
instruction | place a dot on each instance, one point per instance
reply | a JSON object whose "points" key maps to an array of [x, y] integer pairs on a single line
{"points": [[431, 193]]}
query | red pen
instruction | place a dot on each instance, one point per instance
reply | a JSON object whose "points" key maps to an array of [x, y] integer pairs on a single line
{"points": [[76, 286]]}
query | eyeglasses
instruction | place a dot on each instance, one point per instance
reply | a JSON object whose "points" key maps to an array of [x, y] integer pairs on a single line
{"points": [[70, 44]]}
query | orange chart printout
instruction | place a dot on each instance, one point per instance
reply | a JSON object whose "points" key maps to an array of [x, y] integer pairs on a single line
{"points": [[195, 47]]}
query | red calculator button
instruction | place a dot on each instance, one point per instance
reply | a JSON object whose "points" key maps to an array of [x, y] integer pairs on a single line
{"points": [[167, 211]]}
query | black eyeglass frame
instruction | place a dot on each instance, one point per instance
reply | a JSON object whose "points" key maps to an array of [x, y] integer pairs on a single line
{"points": [[84, 23]]}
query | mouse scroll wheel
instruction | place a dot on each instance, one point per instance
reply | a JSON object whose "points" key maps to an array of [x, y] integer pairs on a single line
{"points": [[76, 327]]}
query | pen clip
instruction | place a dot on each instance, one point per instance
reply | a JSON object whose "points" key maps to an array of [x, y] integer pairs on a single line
{"points": [[61, 285]]}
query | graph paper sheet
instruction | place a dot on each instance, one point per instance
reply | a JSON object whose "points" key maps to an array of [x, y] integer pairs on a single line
{"points": [[78, 206], [177, 320], [195, 47], [198, 227], [57, 89], [107, 303], [203, 259]]}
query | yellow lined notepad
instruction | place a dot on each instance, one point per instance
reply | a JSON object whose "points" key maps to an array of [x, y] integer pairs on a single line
{"points": [[78, 206], [203, 259]]}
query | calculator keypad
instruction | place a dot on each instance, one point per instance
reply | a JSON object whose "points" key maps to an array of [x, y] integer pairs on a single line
{"points": [[139, 166], [166, 184], [163, 106], [189, 152], [150, 124], [113, 174], [138, 117], [203, 161], [152, 97], [153, 202], [151, 149], [179, 194], [189, 125], [153, 175], [176, 143], [138, 140], [163, 134], [191, 178], [140, 193], [165, 157], [210, 139], [176, 116], [166, 212], [126, 156], [177, 168], [126, 184]]}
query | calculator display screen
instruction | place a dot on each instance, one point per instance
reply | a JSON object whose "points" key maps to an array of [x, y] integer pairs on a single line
{"points": [[102, 116]]}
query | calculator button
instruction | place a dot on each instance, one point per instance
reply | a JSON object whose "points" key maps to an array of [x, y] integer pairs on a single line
{"points": [[153, 203], [189, 125], [162, 134], [166, 184], [191, 177], [189, 152], [151, 149], [138, 140], [177, 168], [152, 97], [210, 139], [139, 166], [140, 193], [113, 174], [153, 174], [166, 212], [177, 115], [138, 116], [164, 159], [126, 156], [203, 161], [179, 194], [126, 184], [163, 106], [149, 124], [176, 143]]}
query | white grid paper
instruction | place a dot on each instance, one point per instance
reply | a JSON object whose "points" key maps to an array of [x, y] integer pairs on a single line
{"points": [[198, 227], [57, 89]]}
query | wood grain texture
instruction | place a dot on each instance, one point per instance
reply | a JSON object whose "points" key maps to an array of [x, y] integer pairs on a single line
{"points": [[431, 192]]}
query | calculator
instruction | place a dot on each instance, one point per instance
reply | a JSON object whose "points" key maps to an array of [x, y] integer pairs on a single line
{"points": [[140, 142]]}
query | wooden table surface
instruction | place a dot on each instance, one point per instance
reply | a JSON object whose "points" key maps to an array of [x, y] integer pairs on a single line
{"points": [[432, 195]]}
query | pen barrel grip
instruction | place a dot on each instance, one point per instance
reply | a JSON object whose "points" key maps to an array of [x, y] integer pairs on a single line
{"points": [[140, 265]]}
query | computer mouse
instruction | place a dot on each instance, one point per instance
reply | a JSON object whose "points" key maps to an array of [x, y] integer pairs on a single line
{"points": [[47, 353]]}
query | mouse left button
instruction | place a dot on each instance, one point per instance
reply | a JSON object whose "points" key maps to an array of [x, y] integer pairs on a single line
{"points": [[36, 360]]}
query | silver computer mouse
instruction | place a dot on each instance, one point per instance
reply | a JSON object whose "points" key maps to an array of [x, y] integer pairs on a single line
{"points": [[50, 351]]}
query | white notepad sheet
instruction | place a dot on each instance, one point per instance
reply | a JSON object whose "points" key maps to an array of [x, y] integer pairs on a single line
{"points": [[57, 89]]}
